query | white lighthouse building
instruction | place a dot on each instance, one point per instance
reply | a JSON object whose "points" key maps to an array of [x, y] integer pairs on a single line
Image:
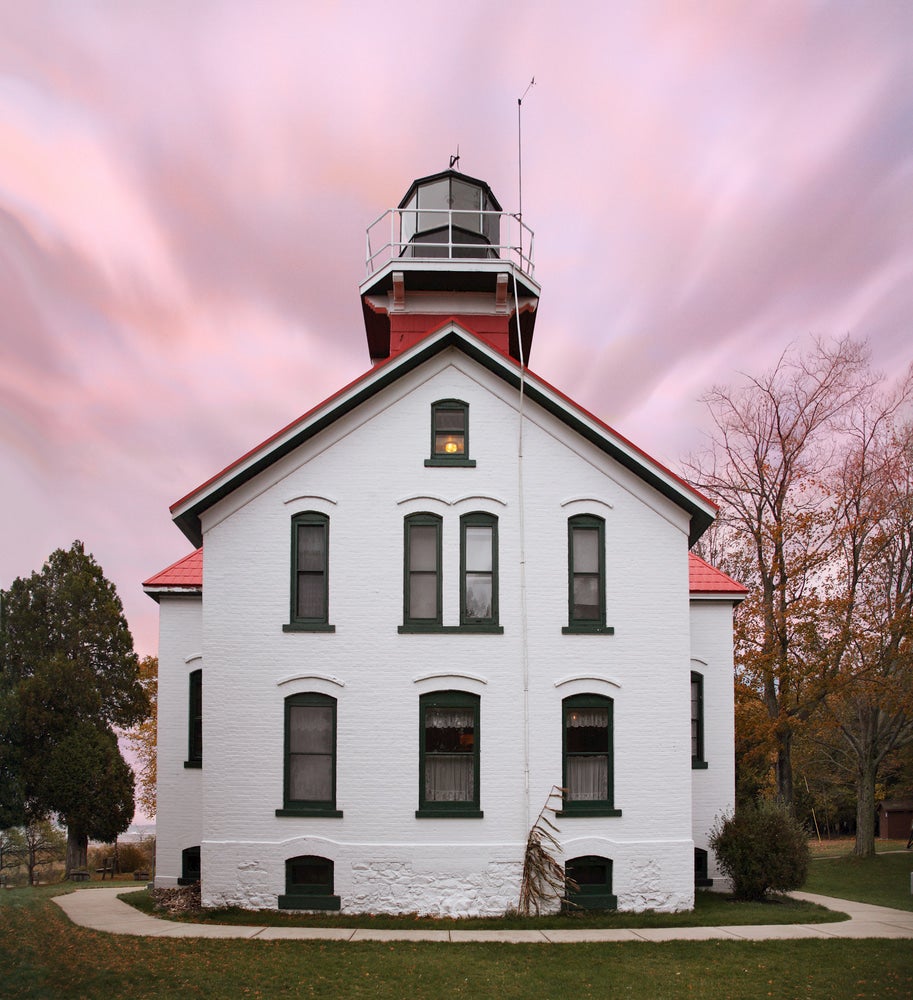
{"points": [[412, 612]]}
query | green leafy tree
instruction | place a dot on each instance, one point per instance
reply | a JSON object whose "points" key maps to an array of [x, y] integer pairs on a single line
{"points": [[68, 680]]}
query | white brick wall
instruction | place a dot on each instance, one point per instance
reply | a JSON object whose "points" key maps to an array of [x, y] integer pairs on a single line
{"points": [[713, 789], [178, 821], [366, 472]]}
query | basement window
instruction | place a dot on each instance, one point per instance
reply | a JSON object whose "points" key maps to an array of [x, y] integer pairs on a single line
{"points": [[309, 884], [589, 884]]}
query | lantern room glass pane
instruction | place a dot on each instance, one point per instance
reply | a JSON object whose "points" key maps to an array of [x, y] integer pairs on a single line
{"points": [[408, 219], [466, 200], [430, 196]]}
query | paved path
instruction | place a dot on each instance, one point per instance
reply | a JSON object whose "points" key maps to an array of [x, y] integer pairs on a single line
{"points": [[101, 910]]}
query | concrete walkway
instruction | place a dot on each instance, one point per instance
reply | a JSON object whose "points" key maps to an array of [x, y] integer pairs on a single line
{"points": [[101, 910]]}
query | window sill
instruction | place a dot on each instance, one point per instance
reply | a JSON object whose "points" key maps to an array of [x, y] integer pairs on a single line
{"points": [[581, 629], [699, 765], [591, 901], [414, 628], [308, 627], [449, 813], [592, 811], [307, 902], [309, 811], [452, 463], [195, 764]]}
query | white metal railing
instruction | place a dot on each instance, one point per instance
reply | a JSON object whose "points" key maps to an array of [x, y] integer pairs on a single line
{"points": [[391, 237]]}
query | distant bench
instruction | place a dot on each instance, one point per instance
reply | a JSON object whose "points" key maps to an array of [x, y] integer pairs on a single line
{"points": [[106, 869]]}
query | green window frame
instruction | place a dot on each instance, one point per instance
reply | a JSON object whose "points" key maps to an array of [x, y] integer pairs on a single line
{"points": [[587, 752], [450, 434], [449, 755], [422, 586], [698, 760], [589, 883], [586, 575], [309, 589], [479, 571], [309, 884], [190, 866], [195, 720], [309, 772]]}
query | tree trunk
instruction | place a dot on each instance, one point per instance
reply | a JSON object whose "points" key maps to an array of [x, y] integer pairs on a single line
{"points": [[785, 768], [77, 850], [865, 810]]}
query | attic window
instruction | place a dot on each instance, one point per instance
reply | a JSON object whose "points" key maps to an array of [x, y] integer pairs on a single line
{"points": [[450, 433]]}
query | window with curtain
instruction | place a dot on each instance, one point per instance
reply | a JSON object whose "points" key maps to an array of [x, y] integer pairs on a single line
{"points": [[449, 754], [588, 755], [310, 755]]}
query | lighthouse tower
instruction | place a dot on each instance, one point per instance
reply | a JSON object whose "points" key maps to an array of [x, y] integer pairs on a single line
{"points": [[449, 251]]}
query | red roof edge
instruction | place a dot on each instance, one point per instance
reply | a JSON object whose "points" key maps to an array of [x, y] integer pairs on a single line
{"points": [[187, 572], [706, 579], [443, 324], [702, 577]]}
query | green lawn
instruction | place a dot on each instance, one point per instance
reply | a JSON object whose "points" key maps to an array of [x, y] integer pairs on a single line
{"points": [[883, 880], [710, 908], [42, 955]]}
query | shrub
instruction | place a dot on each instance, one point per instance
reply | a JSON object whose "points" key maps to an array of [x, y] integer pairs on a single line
{"points": [[762, 849], [133, 857]]}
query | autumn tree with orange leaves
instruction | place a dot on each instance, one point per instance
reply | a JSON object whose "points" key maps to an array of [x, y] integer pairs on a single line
{"points": [[143, 738], [792, 462], [866, 629]]}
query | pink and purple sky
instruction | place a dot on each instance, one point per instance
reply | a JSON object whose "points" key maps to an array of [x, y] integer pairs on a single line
{"points": [[184, 190]]}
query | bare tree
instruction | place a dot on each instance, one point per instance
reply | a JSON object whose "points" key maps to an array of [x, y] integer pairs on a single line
{"points": [[42, 844], [867, 625], [775, 445]]}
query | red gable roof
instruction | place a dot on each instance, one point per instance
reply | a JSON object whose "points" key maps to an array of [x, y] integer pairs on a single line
{"points": [[187, 573], [450, 333], [706, 579]]}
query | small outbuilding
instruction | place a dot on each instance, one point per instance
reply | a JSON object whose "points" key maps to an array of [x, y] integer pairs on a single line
{"points": [[895, 818]]}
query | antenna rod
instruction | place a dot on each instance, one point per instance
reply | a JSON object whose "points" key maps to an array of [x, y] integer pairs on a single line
{"points": [[532, 83]]}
